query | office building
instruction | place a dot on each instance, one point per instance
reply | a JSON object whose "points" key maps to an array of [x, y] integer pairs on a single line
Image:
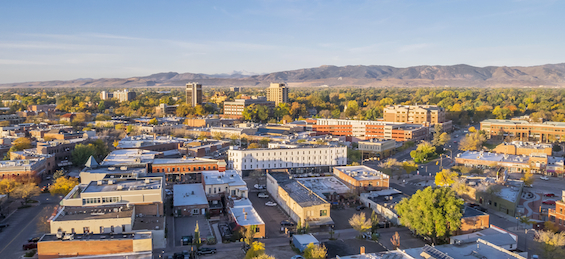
{"points": [[235, 108], [193, 94], [278, 93], [124, 96], [535, 162], [292, 158], [548, 131], [523, 148], [427, 115], [371, 129], [362, 177], [104, 95], [26, 168]]}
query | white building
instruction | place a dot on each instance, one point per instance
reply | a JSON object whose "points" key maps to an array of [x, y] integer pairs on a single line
{"points": [[308, 156], [228, 182]]}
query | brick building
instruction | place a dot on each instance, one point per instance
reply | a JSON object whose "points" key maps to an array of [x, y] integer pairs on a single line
{"points": [[362, 177], [548, 131], [371, 129], [557, 215], [427, 115]]}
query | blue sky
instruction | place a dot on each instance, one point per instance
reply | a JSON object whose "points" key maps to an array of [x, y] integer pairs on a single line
{"points": [[60, 40]]}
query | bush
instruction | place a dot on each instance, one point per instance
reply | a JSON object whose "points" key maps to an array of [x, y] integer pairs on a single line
{"points": [[30, 253]]}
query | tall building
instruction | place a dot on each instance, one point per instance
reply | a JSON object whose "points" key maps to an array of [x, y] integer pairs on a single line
{"points": [[371, 129], [235, 108], [106, 95], [193, 94], [122, 96], [277, 93], [427, 115]]}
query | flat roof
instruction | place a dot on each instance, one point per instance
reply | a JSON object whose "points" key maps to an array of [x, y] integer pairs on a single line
{"points": [[88, 237], [147, 140], [493, 157], [394, 254], [97, 213], [125, 156], [240, 208], [302, 195], [480, 249], [306, 239], [185, 160], [189, 194], [362, 173], [324, 185], [469, 212], [152, 183], [229, 177]]}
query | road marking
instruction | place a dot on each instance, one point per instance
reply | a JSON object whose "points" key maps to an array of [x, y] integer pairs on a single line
{"points": [[20, 232]]}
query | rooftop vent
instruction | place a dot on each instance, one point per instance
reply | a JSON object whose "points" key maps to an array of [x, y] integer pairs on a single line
{"points": [[99, 182]]}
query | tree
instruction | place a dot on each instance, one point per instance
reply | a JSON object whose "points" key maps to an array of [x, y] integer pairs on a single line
{"points": [[325, 114], [26, 191], [390, 166], [374, 222], [472, 141], [423, 152], [154, 121], [264, 256], [249, 234], [432, 212], [359, 223], [472, 129], [444, 138], [528, 178], [315, 251], [409, 166], [550, 226], [58, 173], [264, 142], [8, 185], [217, 136], [81, 153], [287, 118], [196, 239], [525, 220], [21, 144], [552, 243], [63, 185], [256, 249], [446, 177], [253, 146]]}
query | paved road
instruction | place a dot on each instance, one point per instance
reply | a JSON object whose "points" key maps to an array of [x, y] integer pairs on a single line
{"points": [[24, 224]]}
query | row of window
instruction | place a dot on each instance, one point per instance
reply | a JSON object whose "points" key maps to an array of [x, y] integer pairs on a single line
{"points": [[86, 201], [184, 169]]}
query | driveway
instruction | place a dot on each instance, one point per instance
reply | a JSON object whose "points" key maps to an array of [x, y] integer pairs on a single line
{"points": [[185, 226], [272, 216]]}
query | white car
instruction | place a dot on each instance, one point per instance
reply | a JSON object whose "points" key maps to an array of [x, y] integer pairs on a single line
{"points": [[259, 187], [270, 204], [544, 178], [262, 195]]}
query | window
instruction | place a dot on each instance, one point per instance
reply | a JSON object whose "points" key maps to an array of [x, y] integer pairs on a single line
{"points": [[195, 211], [86, 230], [73, 230], [323, 213], [257, 229], [101, 229], [110, 199], [86, 201], [158, 170], [123, 228], [112, 229]]}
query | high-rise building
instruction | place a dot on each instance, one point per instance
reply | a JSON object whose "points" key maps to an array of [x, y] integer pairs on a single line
{"points": [[277, 93], [106, 95], [123, 96], [193, 94], [427, 115]]}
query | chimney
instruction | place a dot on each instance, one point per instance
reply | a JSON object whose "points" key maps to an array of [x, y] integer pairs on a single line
{"points": [[245, 215], [362, 250]]}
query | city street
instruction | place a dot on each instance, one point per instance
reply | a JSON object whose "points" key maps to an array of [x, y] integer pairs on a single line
{"points": [[24, 224]]}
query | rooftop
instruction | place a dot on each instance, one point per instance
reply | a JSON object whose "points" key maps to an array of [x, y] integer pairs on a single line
{"points": [[153, 183], [148, 223], [87, 237], [388, 197], [362, 173], [189, 194], [244, 207], [302, 195], [147, 140], [469, 212], [230, 177], [129, 156], [480, 249], [494, 235], [98, 213], [184, 160], [522, 122], [494, 157], [324, 185], [394, 254]]}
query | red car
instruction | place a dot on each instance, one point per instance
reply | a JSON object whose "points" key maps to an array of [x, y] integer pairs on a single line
{"points": [[549, 202], [549, 195], [29, 246]]}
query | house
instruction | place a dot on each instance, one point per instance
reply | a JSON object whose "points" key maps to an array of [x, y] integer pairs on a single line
{"points": [[189, 199], [244, 215], [362, 177], [302, 241], [495, 235]]}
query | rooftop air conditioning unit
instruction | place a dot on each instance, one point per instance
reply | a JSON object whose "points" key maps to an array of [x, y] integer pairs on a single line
{"points": [[111, 182], [120, 187], [147, 181], [124, 168], [99, 182]]}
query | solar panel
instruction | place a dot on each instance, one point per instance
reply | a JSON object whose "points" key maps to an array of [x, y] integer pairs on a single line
{"points": [[432, 251]]}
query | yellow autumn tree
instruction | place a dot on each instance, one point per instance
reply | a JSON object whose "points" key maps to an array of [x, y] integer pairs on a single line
{"points": [[63, 185], [446, 177]]}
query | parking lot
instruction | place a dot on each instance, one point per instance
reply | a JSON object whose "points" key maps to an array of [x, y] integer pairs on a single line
{"points": [[341, 217], [272, 216], [185, 226]]}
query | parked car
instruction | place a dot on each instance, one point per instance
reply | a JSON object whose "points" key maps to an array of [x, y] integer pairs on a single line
{"points": [[29, 246], [548, 202], [360, 207], [287, 223], [297, 257], [34, 239], [178, 256], [168, 192], [259, 187], [544, 178], [549, 194], [206, 250], [186, 240], [270, 204], [262, 195]]}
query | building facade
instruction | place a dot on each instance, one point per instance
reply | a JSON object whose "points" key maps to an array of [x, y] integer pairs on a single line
{"points": [[524, 131], [235, 108], [427, 115], [296, 159], [362, 177], [278, 93], [371, 129], [193, 94]]}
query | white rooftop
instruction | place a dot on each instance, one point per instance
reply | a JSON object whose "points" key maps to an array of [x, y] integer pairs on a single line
{"points": [[362, 173], [110, 185], [306, 239], [129, 156], [147, 140], [321, 185], [229, 177], [240, 208], [394, 254], [189, 194]]}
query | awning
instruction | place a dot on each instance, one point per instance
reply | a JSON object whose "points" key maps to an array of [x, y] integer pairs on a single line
{"points": [[321, 222]]}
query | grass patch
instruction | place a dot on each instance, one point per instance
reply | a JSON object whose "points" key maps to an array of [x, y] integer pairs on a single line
{"points": [[30, 253]]}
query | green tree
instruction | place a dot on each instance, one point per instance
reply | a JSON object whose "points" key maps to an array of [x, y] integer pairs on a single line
{"points": [[360, 223], [249, 234], [423, 152], [264, 142], [409, 166], [445, 178], [262, 113], [315, 251], [432, 212], [154, 121]]}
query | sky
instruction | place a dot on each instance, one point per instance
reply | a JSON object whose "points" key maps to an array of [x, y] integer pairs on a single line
{"points": [[63, 40]]}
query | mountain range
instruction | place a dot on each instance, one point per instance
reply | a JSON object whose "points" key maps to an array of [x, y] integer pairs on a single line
{"points": [[550, 75]]}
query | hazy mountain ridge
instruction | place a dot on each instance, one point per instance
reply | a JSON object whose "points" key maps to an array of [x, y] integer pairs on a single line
{"points": [[375, 75]]}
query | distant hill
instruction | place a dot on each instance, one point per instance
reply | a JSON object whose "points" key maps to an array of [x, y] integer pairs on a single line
{"points": [[551, 75]]}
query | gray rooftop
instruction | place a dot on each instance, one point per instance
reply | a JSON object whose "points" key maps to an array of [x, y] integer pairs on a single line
{"points": [[480, 249], [123, 185], [98, 213]]}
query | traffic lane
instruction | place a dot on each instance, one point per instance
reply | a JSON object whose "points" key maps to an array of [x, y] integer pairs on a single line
{"points": [[24, 224]]}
